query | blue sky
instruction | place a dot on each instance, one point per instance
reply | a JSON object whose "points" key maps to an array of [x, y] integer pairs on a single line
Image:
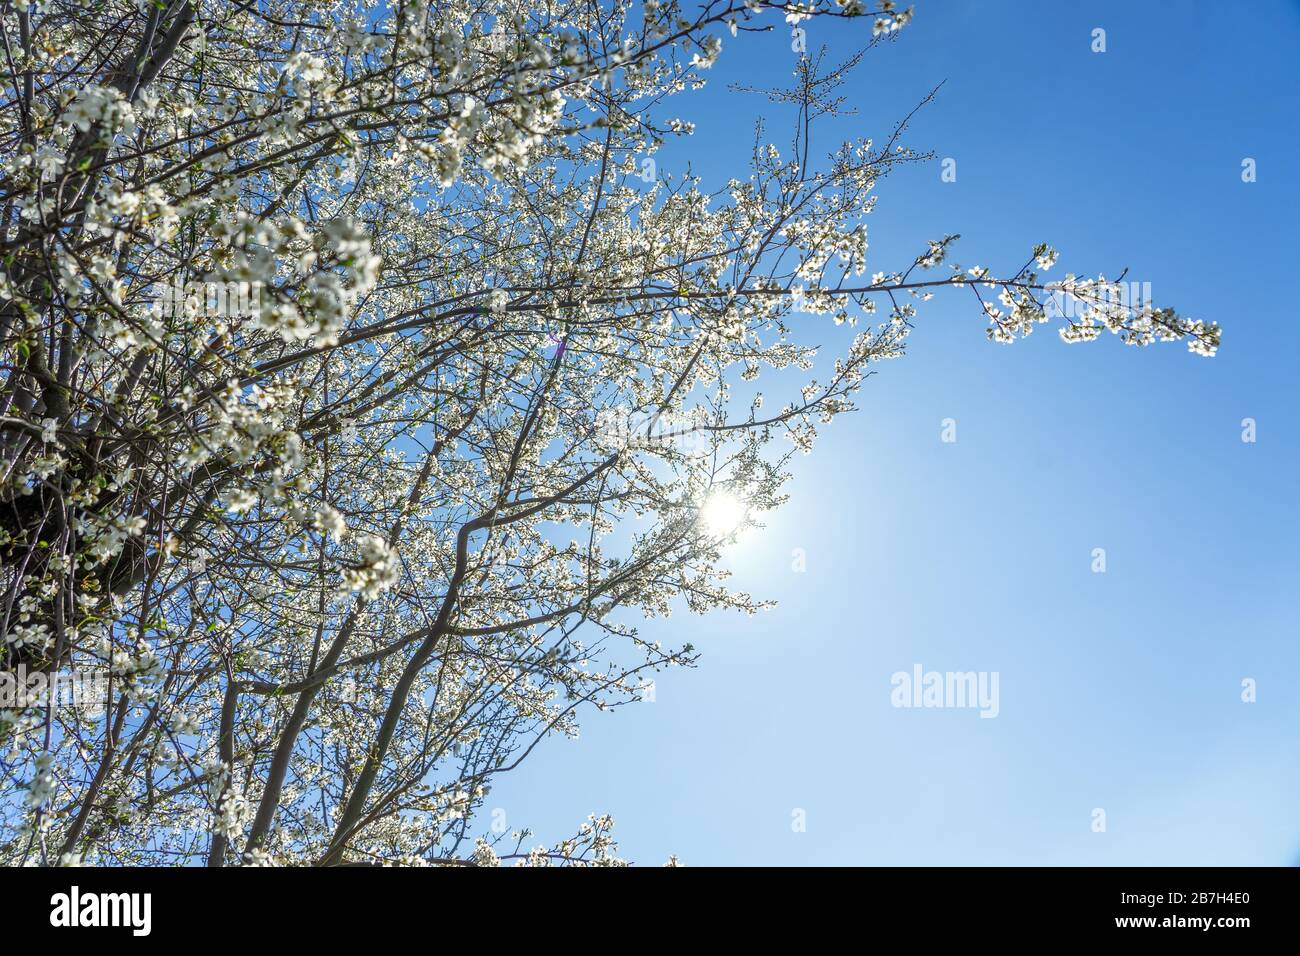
{"points": [[1119, 691]]}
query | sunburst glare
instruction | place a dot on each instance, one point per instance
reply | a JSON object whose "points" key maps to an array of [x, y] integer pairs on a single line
{"points": [[723, 513]]}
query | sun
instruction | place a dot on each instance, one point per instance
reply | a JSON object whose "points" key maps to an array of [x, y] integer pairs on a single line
{"points": [[722, 513]]}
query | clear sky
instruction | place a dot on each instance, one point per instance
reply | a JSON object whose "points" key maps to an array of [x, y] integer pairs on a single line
{"points": [[1119, 690]]}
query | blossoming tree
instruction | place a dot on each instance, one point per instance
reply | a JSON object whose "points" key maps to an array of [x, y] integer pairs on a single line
{"points": [[340, 346]]}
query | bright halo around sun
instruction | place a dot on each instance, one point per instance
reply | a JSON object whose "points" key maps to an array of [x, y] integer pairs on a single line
{"points": [[722, 513]]}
